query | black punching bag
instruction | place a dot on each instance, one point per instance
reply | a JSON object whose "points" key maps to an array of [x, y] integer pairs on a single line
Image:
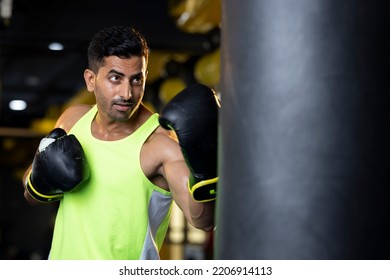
{"points": [[304, 159]]}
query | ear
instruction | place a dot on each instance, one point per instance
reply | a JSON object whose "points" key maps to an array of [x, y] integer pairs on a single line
{"points": [[89, 78]]}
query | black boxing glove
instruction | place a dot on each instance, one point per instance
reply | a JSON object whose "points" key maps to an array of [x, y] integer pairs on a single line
{"points": [[193, 115], [59, 166]]}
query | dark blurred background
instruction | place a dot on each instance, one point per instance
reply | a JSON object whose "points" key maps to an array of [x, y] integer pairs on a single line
{"points": [[38, 81]]}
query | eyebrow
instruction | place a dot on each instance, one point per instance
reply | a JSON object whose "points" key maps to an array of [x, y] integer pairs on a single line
{"points": [[113, 71]]}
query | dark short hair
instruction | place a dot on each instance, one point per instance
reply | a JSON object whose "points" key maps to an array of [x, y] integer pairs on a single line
{"points": [[121, 41]]}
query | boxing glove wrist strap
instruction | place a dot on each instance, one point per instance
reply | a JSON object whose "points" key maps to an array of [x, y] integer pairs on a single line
{"points": [[204, 191], [39, 196]]}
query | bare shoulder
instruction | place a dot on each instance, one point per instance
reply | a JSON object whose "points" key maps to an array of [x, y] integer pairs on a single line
{"points": [[160, 148], [163, 138], [71, 115]]}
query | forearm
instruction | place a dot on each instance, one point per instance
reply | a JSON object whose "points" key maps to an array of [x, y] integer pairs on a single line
{"points": [[202, 214], [29, 199], [26, 194]]}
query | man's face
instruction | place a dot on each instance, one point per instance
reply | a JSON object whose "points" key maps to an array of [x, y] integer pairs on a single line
{"points": [[118, 86]]}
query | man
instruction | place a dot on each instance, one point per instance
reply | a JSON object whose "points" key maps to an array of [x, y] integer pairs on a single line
{"points": [[116, 166]]}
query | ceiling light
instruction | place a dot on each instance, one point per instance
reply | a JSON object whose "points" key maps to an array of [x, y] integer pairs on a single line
{"points": [[55, 46], [6, 9], [33, 81], [17, 105]]}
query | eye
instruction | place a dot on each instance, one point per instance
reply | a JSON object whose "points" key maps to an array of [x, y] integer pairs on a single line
{"points": [[137, 80], [115, 78]]}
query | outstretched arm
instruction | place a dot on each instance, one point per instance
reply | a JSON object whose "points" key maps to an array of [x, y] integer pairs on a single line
{"points": [[193, 116]]}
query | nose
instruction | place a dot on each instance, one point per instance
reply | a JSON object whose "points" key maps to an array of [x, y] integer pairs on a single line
{"points": [[126, 91]]}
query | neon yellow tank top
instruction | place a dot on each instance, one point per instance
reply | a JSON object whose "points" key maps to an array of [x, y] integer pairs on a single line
{"points": [[117, 213]]}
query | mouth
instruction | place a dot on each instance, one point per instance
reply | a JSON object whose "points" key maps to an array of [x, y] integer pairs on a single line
{"points": [[123, 106]]}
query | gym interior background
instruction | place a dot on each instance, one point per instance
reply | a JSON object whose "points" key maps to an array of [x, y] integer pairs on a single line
{"points": [[42, 57]]}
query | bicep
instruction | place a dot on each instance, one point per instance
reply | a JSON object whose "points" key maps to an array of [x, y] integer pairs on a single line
{"points": [[175, 171]]}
